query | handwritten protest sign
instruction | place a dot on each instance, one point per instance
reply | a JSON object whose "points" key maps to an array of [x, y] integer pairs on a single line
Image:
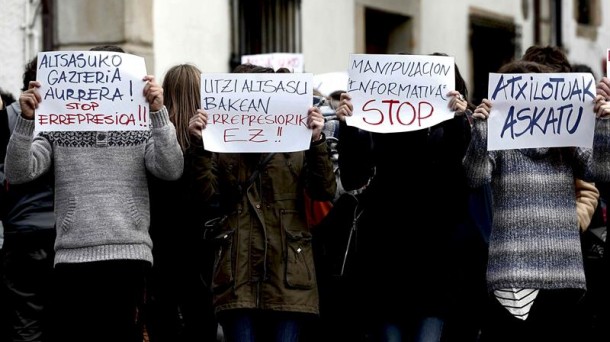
{"points": [[91, 91], [397, 93], [541, 110], [256, 112], [291, 61]]}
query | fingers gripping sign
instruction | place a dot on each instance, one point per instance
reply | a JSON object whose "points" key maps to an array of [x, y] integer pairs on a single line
{"points": [[29, 100], [153, 93], [315, 121], [345, 107], [197, 124], [457, 103]]}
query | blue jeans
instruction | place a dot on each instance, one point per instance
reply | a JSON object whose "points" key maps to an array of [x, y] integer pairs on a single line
{"points": [[260, 326], [428, 329]]}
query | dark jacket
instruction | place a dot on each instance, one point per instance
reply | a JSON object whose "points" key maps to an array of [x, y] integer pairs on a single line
{"points": [[177, 218], [264, 254], [178, 287], [26, 210], [412, 206]]}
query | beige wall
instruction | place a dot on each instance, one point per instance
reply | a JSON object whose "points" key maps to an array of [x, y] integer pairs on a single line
{"points": [[168, 32], [20, 29], [328, 34], [447, 30], [436, 26], [196, 32], [582, 49], [126, 23]]}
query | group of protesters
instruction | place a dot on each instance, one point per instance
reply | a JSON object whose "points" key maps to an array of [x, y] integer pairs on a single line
{"points": [[153, 234]]}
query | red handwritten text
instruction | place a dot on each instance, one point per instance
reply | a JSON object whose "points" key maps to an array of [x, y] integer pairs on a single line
{"points": [[88, 118], [259, 119], [398, 113]]}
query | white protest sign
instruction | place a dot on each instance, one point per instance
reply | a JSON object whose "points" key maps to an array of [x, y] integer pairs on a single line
{"points": [[398, 93], [540, 110], [256, 112], [291, 61], [91, 91]]}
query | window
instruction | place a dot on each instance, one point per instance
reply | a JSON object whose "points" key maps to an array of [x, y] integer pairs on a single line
{"points": [[265, 26], [587, 14], [584, 14]]}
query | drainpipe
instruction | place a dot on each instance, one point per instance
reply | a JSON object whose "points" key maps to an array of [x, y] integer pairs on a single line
{"points": [[558, 24], [31, 39], [536, 22], [26, 29]]}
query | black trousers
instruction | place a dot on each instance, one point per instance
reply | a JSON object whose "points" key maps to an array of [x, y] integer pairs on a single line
{"points": [[98, 301], [553, 317], [26, 273]]}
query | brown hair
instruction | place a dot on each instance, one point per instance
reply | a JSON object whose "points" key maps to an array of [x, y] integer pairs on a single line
{"points": [[257, 69], [110, 48], [523, 67], [182, 97], [29, 74], [460, 83], [551, 56]]}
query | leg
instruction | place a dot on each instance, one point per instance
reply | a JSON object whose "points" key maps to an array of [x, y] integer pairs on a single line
{"points": [[501, 326], [554, 316], [237, 325], [429, 329], [391, 333], [98, 301], [27, 277], [287, 327]]}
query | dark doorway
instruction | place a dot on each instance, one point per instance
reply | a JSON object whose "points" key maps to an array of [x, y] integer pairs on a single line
{"points": [[493, 43], [387, 32]]}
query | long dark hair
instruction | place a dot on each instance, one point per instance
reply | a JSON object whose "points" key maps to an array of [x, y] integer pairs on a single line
{"points": [[182, 96], [460, 83]]}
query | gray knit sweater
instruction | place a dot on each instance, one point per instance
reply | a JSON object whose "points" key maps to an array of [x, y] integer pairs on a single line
{"points": [[101, 192], [535, 240]]}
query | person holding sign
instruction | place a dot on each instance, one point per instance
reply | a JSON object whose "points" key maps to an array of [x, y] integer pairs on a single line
{"points": [[587, 195], [103, 248], [26, 211], [402, 267], [535, 268], [179, 304], [264, 281]]}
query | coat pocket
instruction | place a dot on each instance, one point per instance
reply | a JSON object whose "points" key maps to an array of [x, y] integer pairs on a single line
{"points": [[299, 265]]}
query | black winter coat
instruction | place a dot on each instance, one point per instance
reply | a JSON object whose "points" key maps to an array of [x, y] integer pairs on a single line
{"points": [[410, 213]]}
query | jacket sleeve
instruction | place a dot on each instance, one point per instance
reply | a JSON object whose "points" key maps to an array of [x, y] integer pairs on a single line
{"points": [[599, 170], [478, 162], [198, 169], [164, 157], [356, 163], [4, 136], [455, 140], [321, 182], [26, 157], [587, 197], [5, 133]]}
